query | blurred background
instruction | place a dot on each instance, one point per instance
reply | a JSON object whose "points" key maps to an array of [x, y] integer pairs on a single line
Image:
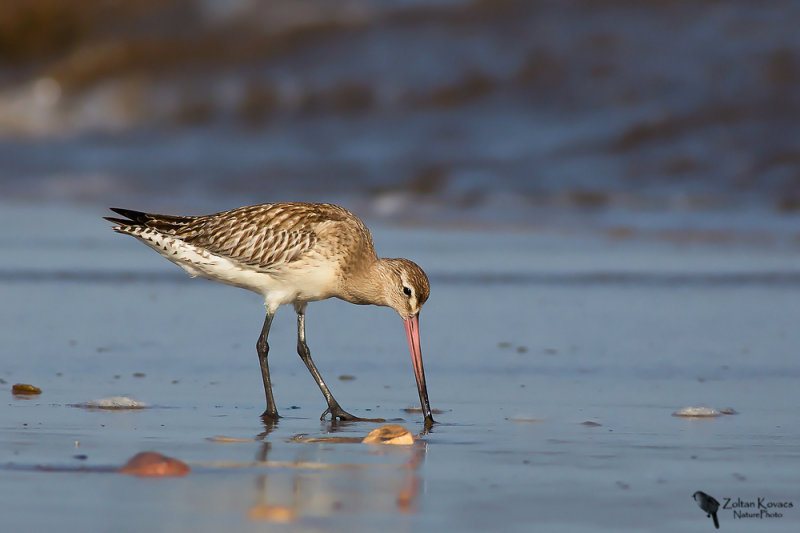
{"points": [[673, 119]]}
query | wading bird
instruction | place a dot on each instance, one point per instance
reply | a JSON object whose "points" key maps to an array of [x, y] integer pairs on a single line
{"points": [[291, 253]]}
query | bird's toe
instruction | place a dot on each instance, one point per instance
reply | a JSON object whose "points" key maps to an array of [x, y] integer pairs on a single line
{"points": [[337, 413]]}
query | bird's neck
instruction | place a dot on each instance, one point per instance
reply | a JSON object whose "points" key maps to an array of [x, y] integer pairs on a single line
{"points": [[367, 285]]}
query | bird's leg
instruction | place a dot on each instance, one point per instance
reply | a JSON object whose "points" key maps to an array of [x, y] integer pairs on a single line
{"points": [[263, 350], [305, 354]]}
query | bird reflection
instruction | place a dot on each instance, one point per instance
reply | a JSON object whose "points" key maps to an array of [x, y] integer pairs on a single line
{"points": [[330, 478]]}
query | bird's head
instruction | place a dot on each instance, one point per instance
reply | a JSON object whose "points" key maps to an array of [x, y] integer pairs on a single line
{"points": [[406, 288]]}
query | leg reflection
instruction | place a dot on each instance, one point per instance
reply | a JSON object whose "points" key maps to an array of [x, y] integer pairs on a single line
{"points": [[319, 479]]}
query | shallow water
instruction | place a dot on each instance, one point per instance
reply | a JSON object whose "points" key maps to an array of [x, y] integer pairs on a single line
{"points": [[625, 334]]}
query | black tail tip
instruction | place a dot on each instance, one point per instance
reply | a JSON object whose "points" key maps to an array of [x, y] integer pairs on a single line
{"points": [[131, 217]]}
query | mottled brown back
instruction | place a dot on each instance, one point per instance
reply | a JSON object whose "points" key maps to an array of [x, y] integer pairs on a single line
{"points": [[270, 234]]}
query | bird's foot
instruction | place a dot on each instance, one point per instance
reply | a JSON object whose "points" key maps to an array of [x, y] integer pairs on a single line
{"points": [[337, 412], [270, 414]]}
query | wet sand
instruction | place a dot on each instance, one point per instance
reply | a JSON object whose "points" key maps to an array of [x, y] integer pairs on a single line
{"points": [[557, 361]]}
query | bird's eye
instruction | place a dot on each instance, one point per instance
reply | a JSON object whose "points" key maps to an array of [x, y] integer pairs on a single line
{"points": [[407, 291]]}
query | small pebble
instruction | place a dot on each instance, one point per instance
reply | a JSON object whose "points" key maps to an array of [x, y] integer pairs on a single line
{"points": [[114, 402], [139, 374], [154, 464], [346, 377], [697, 412], [25, 389]]}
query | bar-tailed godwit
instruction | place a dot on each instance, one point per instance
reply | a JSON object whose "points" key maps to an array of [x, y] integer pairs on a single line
{"points": [[291, 253]]}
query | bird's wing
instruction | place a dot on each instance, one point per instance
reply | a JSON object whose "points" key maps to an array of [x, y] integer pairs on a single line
{"points": [[262, 236]]}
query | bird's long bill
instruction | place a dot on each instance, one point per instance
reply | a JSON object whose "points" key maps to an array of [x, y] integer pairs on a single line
{"points": [[412, 333]]}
